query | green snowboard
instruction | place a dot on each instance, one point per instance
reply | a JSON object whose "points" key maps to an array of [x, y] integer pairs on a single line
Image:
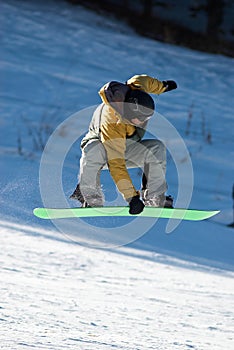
{"points": [[166, 213]]}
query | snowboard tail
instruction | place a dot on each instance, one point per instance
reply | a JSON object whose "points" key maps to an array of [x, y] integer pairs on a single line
{"points": [[166, 213]]}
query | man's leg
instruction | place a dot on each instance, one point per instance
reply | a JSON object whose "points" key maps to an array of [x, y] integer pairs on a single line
{"points": [[150, 155], [92, 161]]}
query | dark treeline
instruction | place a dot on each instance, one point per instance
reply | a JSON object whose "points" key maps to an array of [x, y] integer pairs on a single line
{"points": [[147, 19]]}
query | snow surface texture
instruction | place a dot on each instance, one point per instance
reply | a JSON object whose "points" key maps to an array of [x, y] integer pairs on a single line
{"points": [[56, 295], [162, 291]]}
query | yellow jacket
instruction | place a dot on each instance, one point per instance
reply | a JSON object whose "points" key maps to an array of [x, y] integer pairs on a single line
{"points": [[113, 130]]}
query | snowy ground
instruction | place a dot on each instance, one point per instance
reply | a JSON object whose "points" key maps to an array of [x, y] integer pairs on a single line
{"points": [[159, 292], [56, 295]]}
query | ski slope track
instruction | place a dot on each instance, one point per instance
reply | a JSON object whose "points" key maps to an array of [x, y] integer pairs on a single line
{"points": [[159, 292]]}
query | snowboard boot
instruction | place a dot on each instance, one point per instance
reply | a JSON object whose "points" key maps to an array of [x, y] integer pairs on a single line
{"points": [[160, 201], [85, 205], [77, 195]]}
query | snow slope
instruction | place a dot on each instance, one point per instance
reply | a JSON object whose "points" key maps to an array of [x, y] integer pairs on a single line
{"points": [[161, 291], [56, 295]]}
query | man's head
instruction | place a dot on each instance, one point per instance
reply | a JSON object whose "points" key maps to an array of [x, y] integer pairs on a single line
{"points": [[138, 107]]}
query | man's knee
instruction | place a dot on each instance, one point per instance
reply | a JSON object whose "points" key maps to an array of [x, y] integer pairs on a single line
{"points": [[95, 152], [156, 147]]}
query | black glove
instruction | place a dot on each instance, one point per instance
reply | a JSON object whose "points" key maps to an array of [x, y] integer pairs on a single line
{"points": [[170, 85], [136, 206]]}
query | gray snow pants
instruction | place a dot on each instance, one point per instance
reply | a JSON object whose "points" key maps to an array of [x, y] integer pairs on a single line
{"points": [[149, 155]]}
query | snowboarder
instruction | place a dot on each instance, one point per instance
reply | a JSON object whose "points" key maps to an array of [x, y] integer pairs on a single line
{"points": [[115, 138]]}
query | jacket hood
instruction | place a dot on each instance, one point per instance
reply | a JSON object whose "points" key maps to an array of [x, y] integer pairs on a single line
{"points": [[114, 94]]}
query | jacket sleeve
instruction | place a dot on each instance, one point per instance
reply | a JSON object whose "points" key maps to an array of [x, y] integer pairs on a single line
{"points": [[146, 83], [113, 137]]}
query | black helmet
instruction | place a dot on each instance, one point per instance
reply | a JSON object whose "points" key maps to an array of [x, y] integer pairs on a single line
{"points": [[138, 104]]}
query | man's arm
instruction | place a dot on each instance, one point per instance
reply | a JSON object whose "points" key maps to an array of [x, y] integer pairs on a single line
{"points": [[151, 85], [113, 137]]}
